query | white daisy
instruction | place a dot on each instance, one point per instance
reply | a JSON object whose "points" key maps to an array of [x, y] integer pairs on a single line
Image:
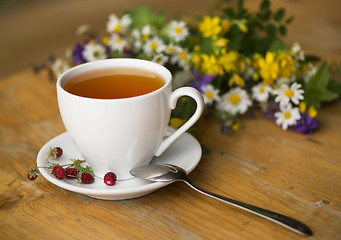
{"points": [[170, 49], [160, 59], [135, 33], [177, 30], [285, 94], [93, 52], [261, 92], [210, 94], [117, 43], [287, 116], [59, 66], [235, 101], [145, 32], [154, 45], [182, 57], [116, 25]]}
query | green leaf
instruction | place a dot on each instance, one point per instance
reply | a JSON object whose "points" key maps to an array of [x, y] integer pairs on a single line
{"points": [[206, 46], [283, 29], [265, 5], [143, 15], [334, 86], [289, 20], [277, 45], [321, 78], [317, 88], [271, 30], [279, 14], [312, 58], [234, 38]]}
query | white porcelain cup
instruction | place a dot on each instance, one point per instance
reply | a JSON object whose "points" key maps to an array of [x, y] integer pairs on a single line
{"points": [[119, 134]]}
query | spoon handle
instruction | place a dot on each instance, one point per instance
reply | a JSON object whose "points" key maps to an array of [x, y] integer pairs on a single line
{"points": [[280, 219]]}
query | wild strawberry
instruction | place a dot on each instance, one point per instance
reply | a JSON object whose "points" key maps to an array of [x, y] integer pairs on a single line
{"points": [[86, 178], [55, 153], [70, 172], [110, 178], [58, 172], [32, 173]]}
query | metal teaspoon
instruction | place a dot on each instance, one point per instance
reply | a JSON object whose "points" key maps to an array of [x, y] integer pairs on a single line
{"points": [[171, 173]]}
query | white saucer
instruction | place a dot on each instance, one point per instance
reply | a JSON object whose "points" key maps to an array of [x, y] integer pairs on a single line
{"points": [[184, 152]]}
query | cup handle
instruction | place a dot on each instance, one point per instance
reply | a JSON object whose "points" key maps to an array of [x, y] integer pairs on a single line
{"points": [[184, 91]]}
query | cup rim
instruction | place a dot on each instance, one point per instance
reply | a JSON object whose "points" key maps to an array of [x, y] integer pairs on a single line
{"points": [[117, 63]]}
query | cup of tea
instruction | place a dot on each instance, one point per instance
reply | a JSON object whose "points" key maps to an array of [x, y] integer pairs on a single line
{"points": [[117, 110]]}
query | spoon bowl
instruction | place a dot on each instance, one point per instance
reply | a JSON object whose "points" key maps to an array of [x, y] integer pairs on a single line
{"points": [[172, 173]]}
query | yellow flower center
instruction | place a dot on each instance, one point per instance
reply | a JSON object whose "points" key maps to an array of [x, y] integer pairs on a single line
{"points": [[209, 94], [288, 93], [170, 50], [261, 90], [118, 40], [105, 40], [182, 55], [153, 45], [234, 99], [145, 37], [118, 28], [286, 115], [178, 30]]}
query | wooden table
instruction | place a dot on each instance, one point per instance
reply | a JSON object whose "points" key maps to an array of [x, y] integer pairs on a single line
{"points": [[283, 171]]}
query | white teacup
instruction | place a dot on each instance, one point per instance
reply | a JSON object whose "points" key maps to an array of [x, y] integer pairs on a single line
{"points": [[119, 134]]}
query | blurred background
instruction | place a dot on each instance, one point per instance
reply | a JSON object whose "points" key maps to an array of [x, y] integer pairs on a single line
{"points": [[32, 29]]}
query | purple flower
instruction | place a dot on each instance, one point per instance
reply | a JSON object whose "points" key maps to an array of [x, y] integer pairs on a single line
{"points": [[199, 82], [305, 125], [78, 54]]}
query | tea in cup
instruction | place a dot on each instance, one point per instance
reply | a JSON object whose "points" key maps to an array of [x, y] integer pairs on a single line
{"points": [[117, 111]]}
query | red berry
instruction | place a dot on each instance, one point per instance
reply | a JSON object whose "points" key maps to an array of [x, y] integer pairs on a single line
{"points": [[110, 178], [32, 173], [71, 172], [59, 151], [58, 172], [55, 152], [86, 178]]}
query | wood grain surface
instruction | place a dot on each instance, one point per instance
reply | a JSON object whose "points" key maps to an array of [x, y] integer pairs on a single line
{"points": [[296, 175]]}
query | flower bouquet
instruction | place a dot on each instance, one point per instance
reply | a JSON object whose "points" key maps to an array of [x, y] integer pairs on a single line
{"points": [[235, 58]]}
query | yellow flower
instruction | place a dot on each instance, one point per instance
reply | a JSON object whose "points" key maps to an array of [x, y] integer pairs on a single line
{"points": [[221, 42], [237, 80], [210, 65], [210, 26], [286, 65], [196, 60], [226, 25], [228, 61], [255, 59], [312, 111], [176, 122], [303, 106], [268, 68], [105, 40], [242, 66]]}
